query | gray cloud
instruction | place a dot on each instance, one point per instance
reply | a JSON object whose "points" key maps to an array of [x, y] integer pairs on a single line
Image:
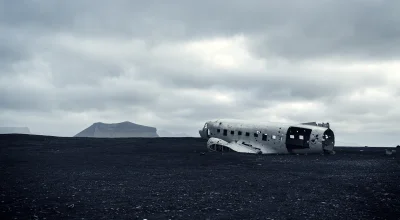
{"points": [[292, 30], [362, 29], [13, 49], [70, 64]]}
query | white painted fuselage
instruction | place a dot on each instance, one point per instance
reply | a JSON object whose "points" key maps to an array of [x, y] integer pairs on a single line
{"points": [[267, 138]]}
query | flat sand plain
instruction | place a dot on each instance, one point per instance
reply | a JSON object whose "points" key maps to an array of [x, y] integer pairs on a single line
{"points": [[177, 178]]}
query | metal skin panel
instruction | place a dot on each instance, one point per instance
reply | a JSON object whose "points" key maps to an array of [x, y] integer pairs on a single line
{"points": [[253, 139]]}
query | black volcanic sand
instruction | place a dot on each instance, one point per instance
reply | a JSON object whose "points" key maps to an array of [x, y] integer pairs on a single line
{"points": [[170, 178]]}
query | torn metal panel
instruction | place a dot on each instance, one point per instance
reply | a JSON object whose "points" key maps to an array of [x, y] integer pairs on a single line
{"points": [[325, 125], [268, 138], [216, 144]]}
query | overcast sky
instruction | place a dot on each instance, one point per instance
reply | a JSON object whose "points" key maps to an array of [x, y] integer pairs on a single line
{"points": [[67, 64]]}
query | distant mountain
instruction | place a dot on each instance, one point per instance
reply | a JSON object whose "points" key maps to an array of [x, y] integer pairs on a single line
{"points": [[164, 133], [118, 130], [14, 130]]}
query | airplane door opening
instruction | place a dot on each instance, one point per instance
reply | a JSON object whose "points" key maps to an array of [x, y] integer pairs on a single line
{"points": [[328, 142], [297, 138]]}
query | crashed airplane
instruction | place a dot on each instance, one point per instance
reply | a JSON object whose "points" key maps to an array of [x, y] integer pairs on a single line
{"points": [[268, 138]]}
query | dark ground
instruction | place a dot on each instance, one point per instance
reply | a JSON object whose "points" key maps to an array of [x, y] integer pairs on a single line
{"points": [[168, 178]]}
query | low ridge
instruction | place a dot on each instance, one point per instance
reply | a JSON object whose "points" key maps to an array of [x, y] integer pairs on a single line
{"points": [[165, 133], [14, 130]]}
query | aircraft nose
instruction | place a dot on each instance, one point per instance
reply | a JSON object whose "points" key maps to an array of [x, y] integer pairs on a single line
{"points": [[201, 132]]}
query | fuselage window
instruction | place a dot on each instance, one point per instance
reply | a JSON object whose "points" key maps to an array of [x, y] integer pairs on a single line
{"points": [[239, 133], [274, 137], [264, 137], [255, 135], [232, 132], [218, 130], [247, 134], [225, 132]]}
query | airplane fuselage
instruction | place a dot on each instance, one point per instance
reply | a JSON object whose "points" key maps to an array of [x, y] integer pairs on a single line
{"points": [[267, 138]]}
